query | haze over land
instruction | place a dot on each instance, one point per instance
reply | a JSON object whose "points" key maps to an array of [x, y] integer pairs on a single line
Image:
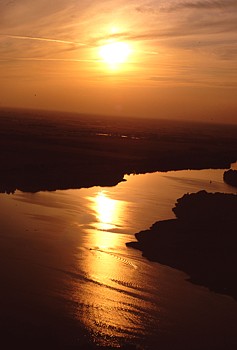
{"points": [[49, 151], [178, 59]]}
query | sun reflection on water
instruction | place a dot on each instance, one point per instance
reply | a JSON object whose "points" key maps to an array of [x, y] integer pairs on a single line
{"points": [[105, 297], [108, 211]]}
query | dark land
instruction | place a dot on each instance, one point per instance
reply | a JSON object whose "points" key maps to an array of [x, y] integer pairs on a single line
{"points": [[51, 150], [201, 241], [230, 177]]}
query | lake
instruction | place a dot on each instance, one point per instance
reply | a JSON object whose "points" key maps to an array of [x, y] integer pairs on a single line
{"points": [[67, 274]]}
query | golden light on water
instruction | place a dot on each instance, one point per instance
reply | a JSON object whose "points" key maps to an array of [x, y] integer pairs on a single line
{"points": [[106, 315], [107, 211]]}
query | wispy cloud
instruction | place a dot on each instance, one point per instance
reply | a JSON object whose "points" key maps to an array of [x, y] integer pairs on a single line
{"points": [[187, 20], [70, 31], [203, 5], [170, 6]]}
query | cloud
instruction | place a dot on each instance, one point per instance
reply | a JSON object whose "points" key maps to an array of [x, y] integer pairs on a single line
{"points": [[39, 30], [203, 5], [41, 39], [171, 6], [19, 47], [71, 31], [146, 9], [227, 52], [167, 20]]}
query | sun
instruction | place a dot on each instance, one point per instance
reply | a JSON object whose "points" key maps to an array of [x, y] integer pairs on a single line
{"points": [[115, 53]]}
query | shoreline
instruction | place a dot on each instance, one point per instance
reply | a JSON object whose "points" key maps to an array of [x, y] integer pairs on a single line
{"points": [[200, 241], [41, 152]]}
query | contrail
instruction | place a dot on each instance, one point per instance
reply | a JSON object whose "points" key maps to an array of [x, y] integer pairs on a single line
{"points": [[42, 39], [48, 59]]}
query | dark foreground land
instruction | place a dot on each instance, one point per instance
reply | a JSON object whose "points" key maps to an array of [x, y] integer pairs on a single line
{"points": [[49, 151], [201, 241]]}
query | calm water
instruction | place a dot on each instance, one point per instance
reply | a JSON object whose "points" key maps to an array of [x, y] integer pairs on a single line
{"points": [[63, 253]]}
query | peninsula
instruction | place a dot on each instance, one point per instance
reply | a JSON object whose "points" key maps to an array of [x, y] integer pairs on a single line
{"points": [[201, 241]]}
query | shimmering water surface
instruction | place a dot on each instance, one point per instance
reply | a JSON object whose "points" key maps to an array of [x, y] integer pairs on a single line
{"points": [[66, 250]]}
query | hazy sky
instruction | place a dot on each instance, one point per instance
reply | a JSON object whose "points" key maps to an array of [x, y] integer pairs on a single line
{"points": [[182, 59]]}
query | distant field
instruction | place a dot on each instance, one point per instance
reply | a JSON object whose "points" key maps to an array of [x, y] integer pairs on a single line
{"points": [[54, 150]]}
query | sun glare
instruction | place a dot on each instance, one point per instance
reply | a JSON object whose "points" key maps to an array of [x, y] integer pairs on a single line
{"points": [[115, 53]]}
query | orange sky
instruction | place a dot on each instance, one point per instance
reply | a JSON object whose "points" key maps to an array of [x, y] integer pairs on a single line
{"points": [[182, 61]]}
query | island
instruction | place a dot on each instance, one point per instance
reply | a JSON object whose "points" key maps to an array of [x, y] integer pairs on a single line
{"points": [[201, 240]]}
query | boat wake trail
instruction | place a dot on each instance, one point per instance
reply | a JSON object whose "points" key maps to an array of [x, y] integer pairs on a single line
{"points": [[117, 256]]}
